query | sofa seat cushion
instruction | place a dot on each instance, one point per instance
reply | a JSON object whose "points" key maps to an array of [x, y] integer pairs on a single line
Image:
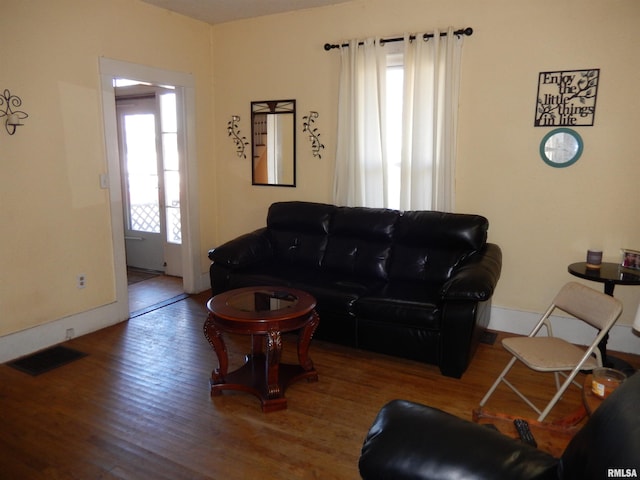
{"points": [[403, 303], [335, 293]]}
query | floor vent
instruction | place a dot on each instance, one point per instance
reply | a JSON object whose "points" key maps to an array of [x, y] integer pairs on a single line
{"points": [[46, 360]]}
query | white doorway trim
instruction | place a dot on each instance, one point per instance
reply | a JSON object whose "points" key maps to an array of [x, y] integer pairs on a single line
{"points": [[184, 82]]}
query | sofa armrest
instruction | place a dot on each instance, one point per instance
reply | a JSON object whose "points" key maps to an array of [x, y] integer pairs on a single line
{"points": [[248, 249], [476, 279], [412, 441]]}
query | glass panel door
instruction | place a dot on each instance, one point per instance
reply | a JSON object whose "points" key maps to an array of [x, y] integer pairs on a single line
{"points": [[171, 183], [141, 183], [142, 173], [148, 124]]}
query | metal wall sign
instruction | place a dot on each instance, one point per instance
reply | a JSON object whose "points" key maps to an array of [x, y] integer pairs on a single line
{"points": [[567, 98]]}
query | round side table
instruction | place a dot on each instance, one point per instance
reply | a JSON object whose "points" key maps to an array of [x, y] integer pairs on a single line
{"points": [[610, 274]]}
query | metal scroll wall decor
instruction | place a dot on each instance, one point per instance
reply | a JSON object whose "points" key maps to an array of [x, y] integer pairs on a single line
{"points": [[314, 136], [8, 105], [234, 133]]}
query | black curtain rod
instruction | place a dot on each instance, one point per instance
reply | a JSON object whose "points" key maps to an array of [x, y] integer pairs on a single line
{"points": [[463, 31]]}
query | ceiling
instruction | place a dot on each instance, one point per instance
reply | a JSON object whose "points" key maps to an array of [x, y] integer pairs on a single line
{"points": [[220, 11]]}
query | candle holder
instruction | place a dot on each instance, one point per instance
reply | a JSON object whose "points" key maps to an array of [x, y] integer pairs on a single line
{"points": [[594, 259], [8, 108]]}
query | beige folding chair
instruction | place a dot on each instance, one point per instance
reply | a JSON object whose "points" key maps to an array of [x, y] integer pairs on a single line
{"points": [[553, 354]]}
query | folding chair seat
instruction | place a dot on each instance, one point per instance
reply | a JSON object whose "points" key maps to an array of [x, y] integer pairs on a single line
{"points": [[552, 354]]}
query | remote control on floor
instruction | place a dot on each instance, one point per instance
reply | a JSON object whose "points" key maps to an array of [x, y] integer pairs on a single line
{"points": [[522, 426]]}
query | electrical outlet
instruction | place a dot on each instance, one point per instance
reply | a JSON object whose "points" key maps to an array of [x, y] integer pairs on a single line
{"points": [[82, 280], [70, 333]]}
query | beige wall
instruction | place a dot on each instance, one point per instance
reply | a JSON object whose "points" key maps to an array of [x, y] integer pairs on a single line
{"points": [[56, 219], [543, 218]]}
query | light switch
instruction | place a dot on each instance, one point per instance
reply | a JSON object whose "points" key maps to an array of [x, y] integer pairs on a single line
{"points": [[104, 180]]}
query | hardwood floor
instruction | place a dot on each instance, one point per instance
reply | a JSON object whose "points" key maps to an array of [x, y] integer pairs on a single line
{"points": [[152, 291], [138, 407]]}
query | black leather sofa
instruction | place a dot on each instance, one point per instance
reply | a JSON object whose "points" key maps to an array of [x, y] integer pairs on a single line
{"points": [[414, 284], [412, 441]]}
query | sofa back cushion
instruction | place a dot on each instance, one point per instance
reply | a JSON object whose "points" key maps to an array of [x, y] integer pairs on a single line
{"points": [[428, 245], [360, 242], [298, 231]]}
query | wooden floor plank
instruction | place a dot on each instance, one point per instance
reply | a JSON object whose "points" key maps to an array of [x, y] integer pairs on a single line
{"points": [[138, 406]]}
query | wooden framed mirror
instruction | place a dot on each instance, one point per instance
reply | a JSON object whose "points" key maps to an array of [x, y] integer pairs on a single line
{"points": [[273, 145]]}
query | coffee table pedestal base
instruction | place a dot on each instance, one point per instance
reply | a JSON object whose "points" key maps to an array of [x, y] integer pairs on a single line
{"points": [[245, 379]]}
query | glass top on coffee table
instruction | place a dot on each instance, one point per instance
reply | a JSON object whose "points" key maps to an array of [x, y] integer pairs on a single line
{"points": [[262, 300]]}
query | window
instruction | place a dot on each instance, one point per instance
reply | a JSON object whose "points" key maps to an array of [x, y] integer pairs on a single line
{"points": [[397, 122], [393, 140]]}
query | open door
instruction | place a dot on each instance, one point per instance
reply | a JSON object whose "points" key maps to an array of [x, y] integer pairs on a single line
{"points": [[150, 176]]}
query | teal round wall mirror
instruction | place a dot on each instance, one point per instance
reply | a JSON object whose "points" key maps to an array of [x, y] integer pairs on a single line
{"points": [[561, 147]]}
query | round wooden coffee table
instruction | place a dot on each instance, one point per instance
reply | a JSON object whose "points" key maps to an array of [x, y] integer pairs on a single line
{"points": [[264, 313]]}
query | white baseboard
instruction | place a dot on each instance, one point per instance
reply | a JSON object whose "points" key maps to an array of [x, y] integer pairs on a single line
{"points": [[31, 340], [622, 338]]}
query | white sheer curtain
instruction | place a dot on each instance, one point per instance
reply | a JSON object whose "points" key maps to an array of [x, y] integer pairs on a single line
{"points": [[428, 133]]}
